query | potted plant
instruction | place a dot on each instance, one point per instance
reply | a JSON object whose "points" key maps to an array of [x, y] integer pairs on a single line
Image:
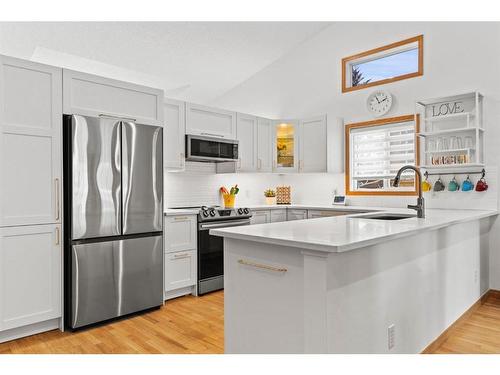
{"points": [[270, 195]]}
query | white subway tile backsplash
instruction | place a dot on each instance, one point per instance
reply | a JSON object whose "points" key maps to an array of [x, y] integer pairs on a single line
{"points": [[199, 185]]}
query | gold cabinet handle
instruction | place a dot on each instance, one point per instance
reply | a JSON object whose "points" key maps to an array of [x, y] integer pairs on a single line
{"points": [[58, 236], [262, 266], [259, 164], [179, 218], [183, 160], [58, 201]]}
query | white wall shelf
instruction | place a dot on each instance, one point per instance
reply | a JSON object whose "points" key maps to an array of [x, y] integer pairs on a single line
{"points": [[457, 116]]}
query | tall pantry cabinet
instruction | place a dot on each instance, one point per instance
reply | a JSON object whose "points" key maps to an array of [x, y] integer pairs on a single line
{"points": [[30, 197]]}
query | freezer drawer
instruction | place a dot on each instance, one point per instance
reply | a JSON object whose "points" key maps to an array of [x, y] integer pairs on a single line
{"points": [[115, 278], [96, 177], [142, 176]]}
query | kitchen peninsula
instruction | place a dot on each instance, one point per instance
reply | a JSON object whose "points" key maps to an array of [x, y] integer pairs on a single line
{"points": [[352, 284]]}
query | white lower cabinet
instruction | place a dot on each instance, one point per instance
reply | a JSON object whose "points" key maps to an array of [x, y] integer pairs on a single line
{"points": [[278, 215], [181, 244], [180, 233], [180, 272], [295, 214], [30, 282], [260, 217]]}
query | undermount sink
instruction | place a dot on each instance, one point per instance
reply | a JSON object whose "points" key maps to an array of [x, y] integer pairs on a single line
{"points": [[386, 216]]}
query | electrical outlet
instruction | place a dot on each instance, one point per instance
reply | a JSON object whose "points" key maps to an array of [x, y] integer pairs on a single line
{"points": [[391, 336]]}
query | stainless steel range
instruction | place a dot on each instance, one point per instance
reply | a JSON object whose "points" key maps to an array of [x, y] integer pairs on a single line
{"points": [[211, 248]]}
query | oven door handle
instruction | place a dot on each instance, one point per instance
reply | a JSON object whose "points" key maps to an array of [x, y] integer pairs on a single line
{"points": [[225, 225]]}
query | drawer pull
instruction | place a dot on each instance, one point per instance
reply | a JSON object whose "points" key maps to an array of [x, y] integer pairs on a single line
{"points": [[180, 218], [262, 266], [181, 256]]}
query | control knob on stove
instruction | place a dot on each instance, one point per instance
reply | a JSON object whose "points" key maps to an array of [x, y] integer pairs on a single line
{"points": [[246, 211], [240, 211], [204, 213], [212, 212]]}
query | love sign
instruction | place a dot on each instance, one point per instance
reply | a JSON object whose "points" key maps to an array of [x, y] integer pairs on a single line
{"points": [[443, 109]]}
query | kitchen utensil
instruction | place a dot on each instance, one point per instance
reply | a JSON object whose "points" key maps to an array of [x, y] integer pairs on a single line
{"points": [[439, 185], [453, 185], [467, 185], [482, 185]]}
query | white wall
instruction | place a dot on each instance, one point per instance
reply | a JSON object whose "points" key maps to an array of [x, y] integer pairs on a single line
{"points": [[458, 57]]}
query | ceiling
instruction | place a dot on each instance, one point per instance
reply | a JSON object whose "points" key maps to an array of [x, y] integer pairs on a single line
{"points": [[196, 61]]}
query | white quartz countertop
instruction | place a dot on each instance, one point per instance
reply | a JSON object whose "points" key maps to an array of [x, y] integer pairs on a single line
{"points": [[348, 232]]}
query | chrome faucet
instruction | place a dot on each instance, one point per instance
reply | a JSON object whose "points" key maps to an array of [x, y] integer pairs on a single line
{"points": [[420, 206]]}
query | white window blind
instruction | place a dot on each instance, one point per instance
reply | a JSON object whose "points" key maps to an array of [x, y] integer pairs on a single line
{"points": [[377, 153]]}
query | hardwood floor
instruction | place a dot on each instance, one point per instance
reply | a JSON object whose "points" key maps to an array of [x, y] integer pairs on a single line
{"points": [[184, 325], [478, 333], [196, 325]]}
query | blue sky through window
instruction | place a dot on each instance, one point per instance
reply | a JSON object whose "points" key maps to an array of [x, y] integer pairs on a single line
{"points": [[389, 66]]}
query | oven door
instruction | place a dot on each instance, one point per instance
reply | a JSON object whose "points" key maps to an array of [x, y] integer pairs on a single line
{"points": [[211, 249]]}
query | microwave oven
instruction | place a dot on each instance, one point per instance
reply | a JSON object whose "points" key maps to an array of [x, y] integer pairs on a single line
{"points": [[210, 149]]}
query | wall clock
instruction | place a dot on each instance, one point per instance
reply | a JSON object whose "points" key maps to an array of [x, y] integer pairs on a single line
{"points": [[379, 102]]}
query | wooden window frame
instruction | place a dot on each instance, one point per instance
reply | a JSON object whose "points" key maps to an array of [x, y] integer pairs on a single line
{"points": [[379, 122], [346, 60]]}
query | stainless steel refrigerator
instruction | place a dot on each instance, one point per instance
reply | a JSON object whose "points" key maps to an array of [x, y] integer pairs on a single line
{"points": [[113, 175]]}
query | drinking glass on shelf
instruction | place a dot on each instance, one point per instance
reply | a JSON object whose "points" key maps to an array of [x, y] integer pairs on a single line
{"points": [[442, 144], [468, 142], [431, 145], [455, 142]]}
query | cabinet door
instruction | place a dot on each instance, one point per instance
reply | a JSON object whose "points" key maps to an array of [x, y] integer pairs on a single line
{"points": [[30, 142], [210, 122], [313, 145], [313, 214], [174, 134], [180, 269], [264, 145], [296, 214], [30, 266], [261, 217], [180, 233], [285, 146], [278, 215], [246, 131], [90, 95]]}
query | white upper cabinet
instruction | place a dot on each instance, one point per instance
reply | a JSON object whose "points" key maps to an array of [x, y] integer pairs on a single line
{"points": [[174, 134], [246, 132], [210, 122], [30, 265], [313, 141], [30, 142], [285, 146], [264, 145], [91, 95]]}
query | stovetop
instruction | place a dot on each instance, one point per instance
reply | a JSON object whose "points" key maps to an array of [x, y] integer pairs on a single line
{"points": [[217, 213]]}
